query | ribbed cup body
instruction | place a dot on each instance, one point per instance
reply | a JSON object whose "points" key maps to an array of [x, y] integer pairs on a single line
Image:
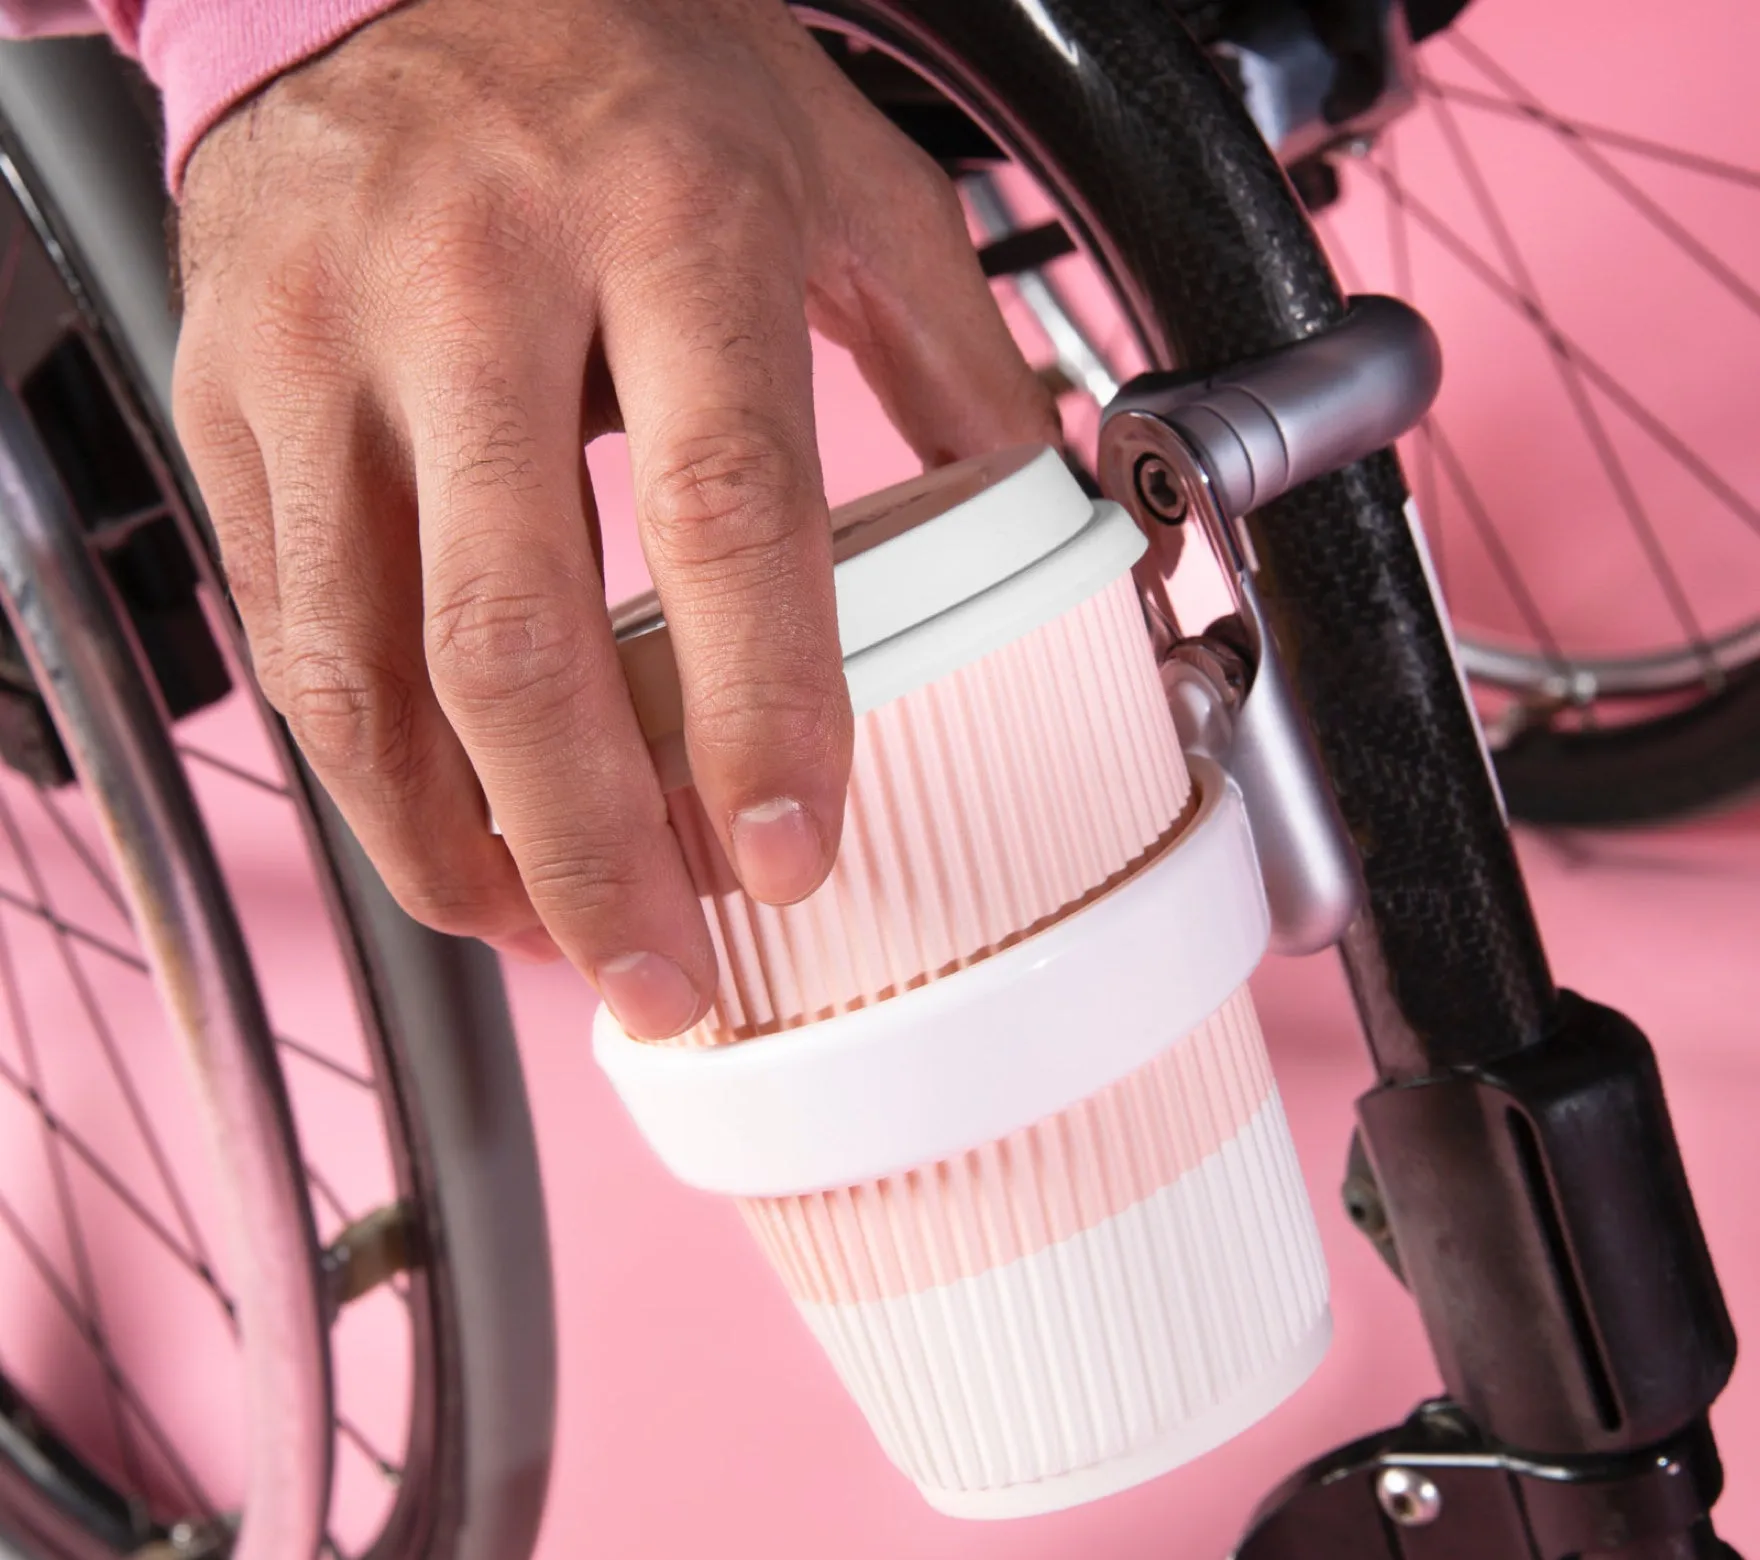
{"points": [[981, 807], [1107, 1292]]}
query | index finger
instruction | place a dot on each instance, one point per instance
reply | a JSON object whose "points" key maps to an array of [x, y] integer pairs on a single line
{"points": [[713, 365]]}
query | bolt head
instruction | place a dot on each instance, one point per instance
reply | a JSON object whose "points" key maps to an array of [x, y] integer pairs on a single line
{"points": [[1407, 1496], [1160, 490]]}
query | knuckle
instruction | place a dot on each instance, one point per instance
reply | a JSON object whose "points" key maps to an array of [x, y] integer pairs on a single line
{"points": [[731, 496], [346, 717], [925, 186], [460, 238], [303, 305], [494, 636], [801, 721], [589, 878], [716, 177], [458, 907], [201, 399], [249, 567]]}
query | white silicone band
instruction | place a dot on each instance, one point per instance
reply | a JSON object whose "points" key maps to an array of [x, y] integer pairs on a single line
{"points": [[964, 1060]]}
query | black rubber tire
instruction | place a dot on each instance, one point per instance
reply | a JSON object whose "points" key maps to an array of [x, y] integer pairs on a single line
{"points": [[80, 139], [1692, 760]]}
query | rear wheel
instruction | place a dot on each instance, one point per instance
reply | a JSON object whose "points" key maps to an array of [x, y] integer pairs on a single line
{"points": [[1575, 207], [1584, 248], [275, 1269]]}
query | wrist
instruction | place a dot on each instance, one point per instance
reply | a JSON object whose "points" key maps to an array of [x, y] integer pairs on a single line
{"points": [[208, 56]]}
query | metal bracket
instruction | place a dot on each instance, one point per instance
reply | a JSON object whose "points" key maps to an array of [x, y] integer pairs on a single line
{"points": [[1436, 1489], [1215, 448], [370, 1252]]}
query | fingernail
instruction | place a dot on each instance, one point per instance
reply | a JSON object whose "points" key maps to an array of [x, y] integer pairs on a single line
{"points": [[777, 851], [534, 947], [651, 996]]}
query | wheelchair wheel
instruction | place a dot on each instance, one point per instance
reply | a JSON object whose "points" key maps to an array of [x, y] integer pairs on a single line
{"points": [[276, 1275], [1126, 146], [1537, 218], [1579, 225]]}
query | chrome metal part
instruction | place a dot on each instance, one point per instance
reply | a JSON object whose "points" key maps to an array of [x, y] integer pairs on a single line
{"points": [[104, 710], [1583, 681], [371, 1251], [1263, 427], [1407, 1496], [1436, 1486], [192, 1541], [1080, 359], [1160, 491], [1307, 859], [1219, 447], [1205, 682]]}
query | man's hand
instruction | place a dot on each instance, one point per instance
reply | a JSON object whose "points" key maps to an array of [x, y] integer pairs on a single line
{"points": [[419, 272]]}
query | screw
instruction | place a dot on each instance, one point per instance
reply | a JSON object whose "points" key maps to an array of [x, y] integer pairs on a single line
{"points": [[1408, 1497], [1363, 1206], [1160, 490]]}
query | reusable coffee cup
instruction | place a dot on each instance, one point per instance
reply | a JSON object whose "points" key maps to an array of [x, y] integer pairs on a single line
{"points": [[994, 1099]]}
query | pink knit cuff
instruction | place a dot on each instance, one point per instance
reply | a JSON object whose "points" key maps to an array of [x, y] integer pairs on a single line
{"points": [[206, 55]]}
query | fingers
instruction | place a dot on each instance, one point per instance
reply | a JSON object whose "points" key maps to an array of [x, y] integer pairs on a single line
{"points": [[522, 661], [325, 576], [228, 468], [349, 677], [707, 340], [904, 294]]}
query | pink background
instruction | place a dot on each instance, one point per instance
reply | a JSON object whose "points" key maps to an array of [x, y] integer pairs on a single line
{"points": [[697, 1416]]}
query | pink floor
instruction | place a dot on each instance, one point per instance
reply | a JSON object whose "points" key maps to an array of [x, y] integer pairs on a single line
{"points": [[698, 1417]]}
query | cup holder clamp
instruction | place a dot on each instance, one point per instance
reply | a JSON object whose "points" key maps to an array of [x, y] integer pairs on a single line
{"points": [[1176, 448]]}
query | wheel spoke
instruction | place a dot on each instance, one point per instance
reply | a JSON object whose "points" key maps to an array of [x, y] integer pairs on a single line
{"points": [[116, 1378], [98, 944], [1536, 113], [112, 1181], [1435, 442], [1695, 249], [94, 867], [225, 766], [72, 1226], [352, 1432], [74, 933], [1589, 366], [318, 1059], [1590, 419], [106, 1040]]}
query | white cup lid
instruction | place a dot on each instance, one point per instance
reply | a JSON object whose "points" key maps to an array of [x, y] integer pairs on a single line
{"points": [[931, 575]]}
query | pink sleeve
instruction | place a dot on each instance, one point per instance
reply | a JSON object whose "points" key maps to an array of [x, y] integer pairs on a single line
{"points": [[205, 55]]}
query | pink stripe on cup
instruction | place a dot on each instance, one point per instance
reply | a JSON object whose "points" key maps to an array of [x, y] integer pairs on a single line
{"points": [[981, 807], [934, 1225]]}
